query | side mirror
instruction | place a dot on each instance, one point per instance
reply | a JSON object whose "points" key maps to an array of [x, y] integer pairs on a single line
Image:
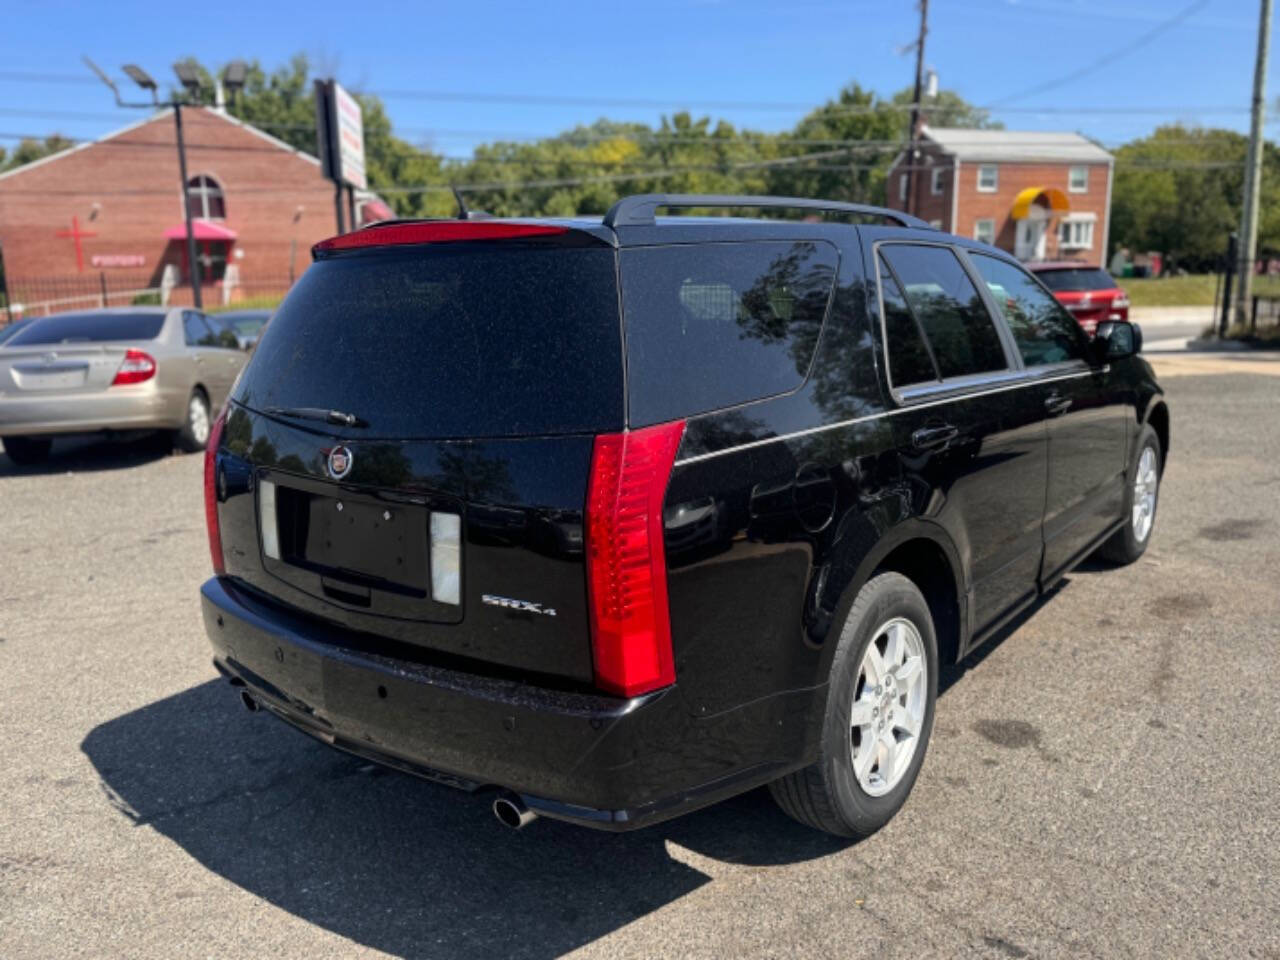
{"points": [[1117, 339]]}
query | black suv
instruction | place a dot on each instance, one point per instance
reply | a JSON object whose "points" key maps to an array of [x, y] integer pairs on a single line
{"points": [[620, 517]]}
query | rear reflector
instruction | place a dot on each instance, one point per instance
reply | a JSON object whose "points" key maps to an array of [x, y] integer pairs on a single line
{"points": [[626, 562], [267, 522], [135, 368], [434, 231], [211, 494], [446, 556]]}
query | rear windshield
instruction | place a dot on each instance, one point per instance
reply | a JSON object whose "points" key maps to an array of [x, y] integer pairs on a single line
{"points": [[467, 340], [89, 328], [1082, 278], [719, 324]]}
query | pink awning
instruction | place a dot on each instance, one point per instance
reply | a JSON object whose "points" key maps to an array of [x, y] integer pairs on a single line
{"points": [[372, 211], [202, 230]]}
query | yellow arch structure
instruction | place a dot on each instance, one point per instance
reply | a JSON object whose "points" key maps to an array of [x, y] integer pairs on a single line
{"points": [[1056, 201]]}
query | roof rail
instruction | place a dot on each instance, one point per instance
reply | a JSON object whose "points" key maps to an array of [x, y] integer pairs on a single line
{"points": [[639, 210]]}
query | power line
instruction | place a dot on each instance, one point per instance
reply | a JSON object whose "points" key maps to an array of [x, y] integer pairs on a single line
{"points": [[1107, 58]]}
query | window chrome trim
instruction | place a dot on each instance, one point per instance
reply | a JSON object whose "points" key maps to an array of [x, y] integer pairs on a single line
{"points": [[1020, 378]]}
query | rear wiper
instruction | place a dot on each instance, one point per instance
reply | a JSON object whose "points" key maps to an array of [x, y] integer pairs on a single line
{"points": [[336, 417]]}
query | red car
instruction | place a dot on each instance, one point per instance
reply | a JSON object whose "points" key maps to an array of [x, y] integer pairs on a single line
{"points": [[1088, 292]]}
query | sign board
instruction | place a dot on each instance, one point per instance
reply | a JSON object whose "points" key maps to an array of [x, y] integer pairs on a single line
{"points": [[118, 260], [340, 134]]}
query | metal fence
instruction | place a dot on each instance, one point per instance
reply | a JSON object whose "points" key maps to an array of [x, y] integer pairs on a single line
{"points": [[41, 296]]}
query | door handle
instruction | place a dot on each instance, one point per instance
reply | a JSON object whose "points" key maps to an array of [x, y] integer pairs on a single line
{"points": [[1057, 405], [927, 438]]}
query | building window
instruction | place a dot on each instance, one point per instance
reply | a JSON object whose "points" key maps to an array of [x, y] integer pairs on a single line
{"points": [[1076, 233], [902, 188], [988, 178], [1078, 180], [205, 198], [984, 231], [935, 180]]}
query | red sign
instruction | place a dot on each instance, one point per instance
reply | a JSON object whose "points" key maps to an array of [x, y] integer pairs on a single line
{"points": [[118, 260]]}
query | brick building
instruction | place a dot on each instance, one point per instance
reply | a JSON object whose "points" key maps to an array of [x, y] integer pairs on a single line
{"points": [[1040, 196], [106, 217]]}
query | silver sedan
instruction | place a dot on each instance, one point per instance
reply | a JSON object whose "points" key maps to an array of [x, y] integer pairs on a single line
{"points": [[126, 368]]}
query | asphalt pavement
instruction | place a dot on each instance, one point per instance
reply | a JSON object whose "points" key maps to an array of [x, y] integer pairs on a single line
{"points": [[1103, 779]]}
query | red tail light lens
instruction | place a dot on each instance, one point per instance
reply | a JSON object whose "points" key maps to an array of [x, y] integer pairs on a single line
{"points": [[211, 494], [136, 367], [626, 562], [434, 231]]}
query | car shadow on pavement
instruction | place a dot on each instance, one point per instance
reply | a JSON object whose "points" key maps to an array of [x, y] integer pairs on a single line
{"points": [[92, 453], [397, 863]]}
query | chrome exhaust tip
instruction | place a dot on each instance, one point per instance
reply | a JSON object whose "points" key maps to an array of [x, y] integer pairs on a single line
{"points": [[511, 812], [250, 704]]}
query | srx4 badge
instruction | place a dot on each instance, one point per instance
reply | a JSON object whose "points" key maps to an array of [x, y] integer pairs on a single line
{"points": [[521, 606]]}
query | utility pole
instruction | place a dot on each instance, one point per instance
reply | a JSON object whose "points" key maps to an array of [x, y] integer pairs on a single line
{"points": [[915, 107], [1248, 251]]}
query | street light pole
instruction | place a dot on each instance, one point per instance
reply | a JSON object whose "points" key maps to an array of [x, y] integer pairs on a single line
{"points": [[233, 79], [1253, 171], [192, 259]]}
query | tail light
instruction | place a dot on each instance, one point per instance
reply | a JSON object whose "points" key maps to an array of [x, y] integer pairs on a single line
{"points": [[626, 562], [1121, 300], [136, 367], [211, 494]]}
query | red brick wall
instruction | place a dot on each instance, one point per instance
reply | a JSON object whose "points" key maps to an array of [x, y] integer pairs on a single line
{"points": [[126, 190], [972, 205], [928, 206], [1016, 177]]}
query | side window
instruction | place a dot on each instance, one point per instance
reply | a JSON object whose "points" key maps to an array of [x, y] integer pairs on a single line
{"points": [[1044, 332], [909, 360], [224, 336], [195, 330], [948, 308], [717, 324]]}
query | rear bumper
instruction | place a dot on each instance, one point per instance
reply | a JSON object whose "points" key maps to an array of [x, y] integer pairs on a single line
{"points": [[119, 408], [596, 760]]}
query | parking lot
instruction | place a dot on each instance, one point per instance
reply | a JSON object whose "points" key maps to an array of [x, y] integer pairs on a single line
{"points": [[1103, 779]]}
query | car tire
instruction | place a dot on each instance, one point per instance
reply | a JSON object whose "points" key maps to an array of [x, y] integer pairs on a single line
{"points": [[26, 451], [194, 433], [1141, 498], [843, 792]]}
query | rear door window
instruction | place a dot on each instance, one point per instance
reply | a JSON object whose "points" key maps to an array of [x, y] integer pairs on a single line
{"points": [[196, 330], [463, 340], [89, 328], [948, 308], [909, 358], [1043, 331], [714, 325]]}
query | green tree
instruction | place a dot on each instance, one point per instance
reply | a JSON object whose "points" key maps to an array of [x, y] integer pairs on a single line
{"points": [[1178, 191], [31, 149]]}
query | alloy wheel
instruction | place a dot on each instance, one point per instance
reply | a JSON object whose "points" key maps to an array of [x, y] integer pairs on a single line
{"points": [[889, 701], [198, 418], [1146, 484]]}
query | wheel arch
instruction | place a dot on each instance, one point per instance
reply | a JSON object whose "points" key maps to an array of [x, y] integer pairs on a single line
{"points": [[925, 554]]}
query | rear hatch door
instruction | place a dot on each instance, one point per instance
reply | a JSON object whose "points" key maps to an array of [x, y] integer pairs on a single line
{"points": [[445, 514]]}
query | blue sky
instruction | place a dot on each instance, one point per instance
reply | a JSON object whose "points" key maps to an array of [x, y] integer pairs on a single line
{"points": [[726, 58]]}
